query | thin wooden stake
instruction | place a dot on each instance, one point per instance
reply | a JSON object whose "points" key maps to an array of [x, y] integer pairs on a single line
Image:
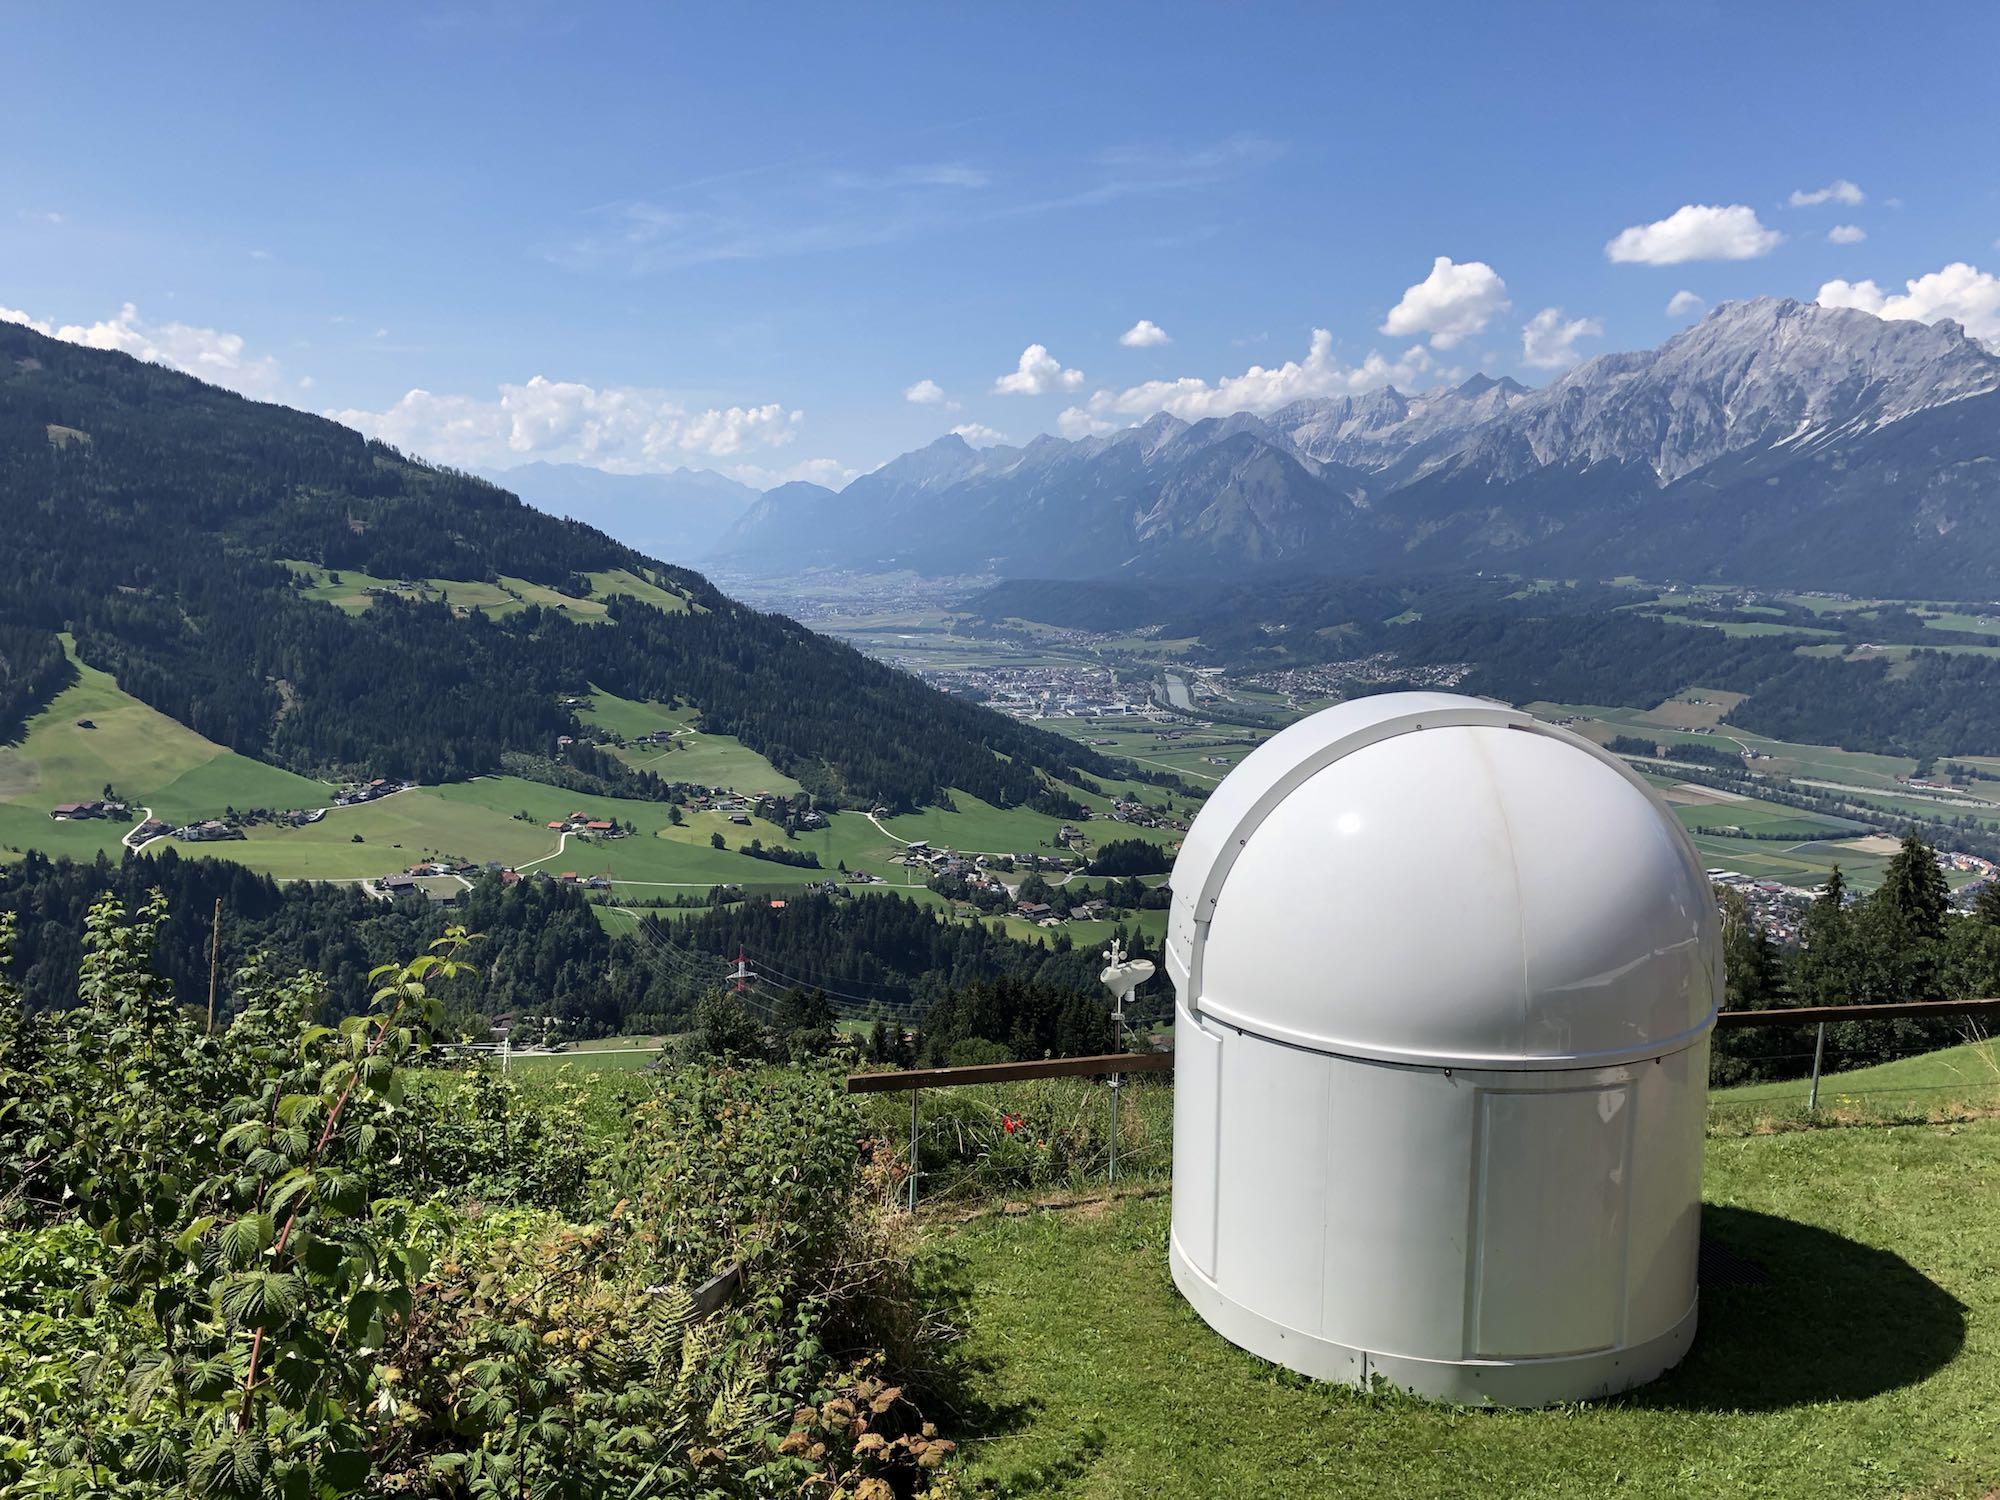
{"points": [[214, 960]]}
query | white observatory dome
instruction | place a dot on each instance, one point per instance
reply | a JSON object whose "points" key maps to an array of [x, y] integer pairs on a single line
{"points": [[1446, 976]]}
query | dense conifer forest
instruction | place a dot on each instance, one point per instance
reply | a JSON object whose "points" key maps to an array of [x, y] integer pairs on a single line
{"points": [[150, 515], [543, 953], [33, 669], [883, 949], [542, 950]]}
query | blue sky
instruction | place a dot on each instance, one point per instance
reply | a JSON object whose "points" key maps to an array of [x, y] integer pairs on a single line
{"points": [[736, 237]]}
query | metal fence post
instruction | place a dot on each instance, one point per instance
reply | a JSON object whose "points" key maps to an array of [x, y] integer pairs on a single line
{"points": [[1819, 1051], [913, 1149]]}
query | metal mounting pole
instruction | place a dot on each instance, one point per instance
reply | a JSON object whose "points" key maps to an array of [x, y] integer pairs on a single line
{"points": [[1112, 1173], [1819, 1051], [913, 1148]]}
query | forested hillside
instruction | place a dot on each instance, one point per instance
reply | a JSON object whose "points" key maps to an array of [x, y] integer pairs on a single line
{"points": [[152, 516], [33, 669]]}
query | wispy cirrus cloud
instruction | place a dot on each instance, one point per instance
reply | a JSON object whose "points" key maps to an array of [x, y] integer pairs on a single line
{"points": [[810, 207]]}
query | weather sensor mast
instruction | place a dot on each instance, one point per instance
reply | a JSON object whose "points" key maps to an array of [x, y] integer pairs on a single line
{"points": [[1120, 975]]}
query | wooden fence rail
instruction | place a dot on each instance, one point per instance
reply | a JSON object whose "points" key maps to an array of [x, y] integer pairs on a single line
{"points": [[1163, 1062], [1112, 1064]]}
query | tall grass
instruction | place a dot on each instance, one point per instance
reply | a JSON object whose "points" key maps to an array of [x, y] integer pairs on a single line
{"points": [[1051, 1134]]}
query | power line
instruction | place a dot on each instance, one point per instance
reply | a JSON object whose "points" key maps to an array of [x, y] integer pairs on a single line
{"points": [[910, 1006]]}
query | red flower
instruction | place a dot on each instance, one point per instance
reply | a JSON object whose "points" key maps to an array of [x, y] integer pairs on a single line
{"points": [[1009, 1123]]}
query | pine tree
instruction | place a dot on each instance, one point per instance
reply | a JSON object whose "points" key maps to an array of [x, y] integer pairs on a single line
{"points": [[1915, 890], [1986, 905], [1826, 967]]}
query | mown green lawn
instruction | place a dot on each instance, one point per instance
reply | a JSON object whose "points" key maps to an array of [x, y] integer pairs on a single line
{"points": [[1869, 1365]]}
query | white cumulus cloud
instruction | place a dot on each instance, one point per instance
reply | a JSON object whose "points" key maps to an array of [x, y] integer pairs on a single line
{"points": [[1257, 389], [207, 353], [1453, 303], [1548, 341], [1685, 304], [1840, 190], [925, 393], [1695, 231], [1144, 334], [1846, 234], [979, 434], [1959, 291], [615, 427], [1038, 373]]}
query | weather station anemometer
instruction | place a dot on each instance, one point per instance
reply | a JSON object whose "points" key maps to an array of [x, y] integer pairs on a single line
{"points": [[1120, 975]]}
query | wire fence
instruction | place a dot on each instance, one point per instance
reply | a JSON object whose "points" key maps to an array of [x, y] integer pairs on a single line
{"points": [[1862, 1070], [1020, 1128], [1009, 1140]]}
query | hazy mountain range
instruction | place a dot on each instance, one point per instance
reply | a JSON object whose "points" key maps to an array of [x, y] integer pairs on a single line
{"points": [[681, 514], [1774, 441]]}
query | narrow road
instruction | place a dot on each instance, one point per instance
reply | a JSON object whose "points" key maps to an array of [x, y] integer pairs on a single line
{"points": [[885, 832], [562, 843], [1177, 770], [145, 816]]}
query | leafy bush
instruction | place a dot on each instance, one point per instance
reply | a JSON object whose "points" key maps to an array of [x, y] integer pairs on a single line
{"points": [[279, 1260]]}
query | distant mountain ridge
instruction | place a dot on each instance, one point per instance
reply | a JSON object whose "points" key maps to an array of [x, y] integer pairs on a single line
{"points": [[677, 516], [1774, 441]]}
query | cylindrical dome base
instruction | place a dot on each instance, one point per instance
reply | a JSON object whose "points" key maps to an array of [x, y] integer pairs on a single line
{"points": [[1477, 1382], [1498, 1236]]}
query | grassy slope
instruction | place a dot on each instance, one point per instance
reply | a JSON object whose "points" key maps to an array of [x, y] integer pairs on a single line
{"points": [[151, 760], [701, 759], [1869, 1366], [507, 596], [1951, 1077], [161, 764]]}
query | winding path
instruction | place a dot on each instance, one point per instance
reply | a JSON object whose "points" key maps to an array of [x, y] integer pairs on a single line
{"points": [[146, 816], [562, 843]]}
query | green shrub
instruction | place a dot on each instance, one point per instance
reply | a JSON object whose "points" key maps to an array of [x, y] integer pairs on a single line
{"points": [[282, 1261]]}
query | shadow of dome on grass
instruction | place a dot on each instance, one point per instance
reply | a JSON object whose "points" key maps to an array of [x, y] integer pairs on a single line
{"points": [[1834, 1320]]}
